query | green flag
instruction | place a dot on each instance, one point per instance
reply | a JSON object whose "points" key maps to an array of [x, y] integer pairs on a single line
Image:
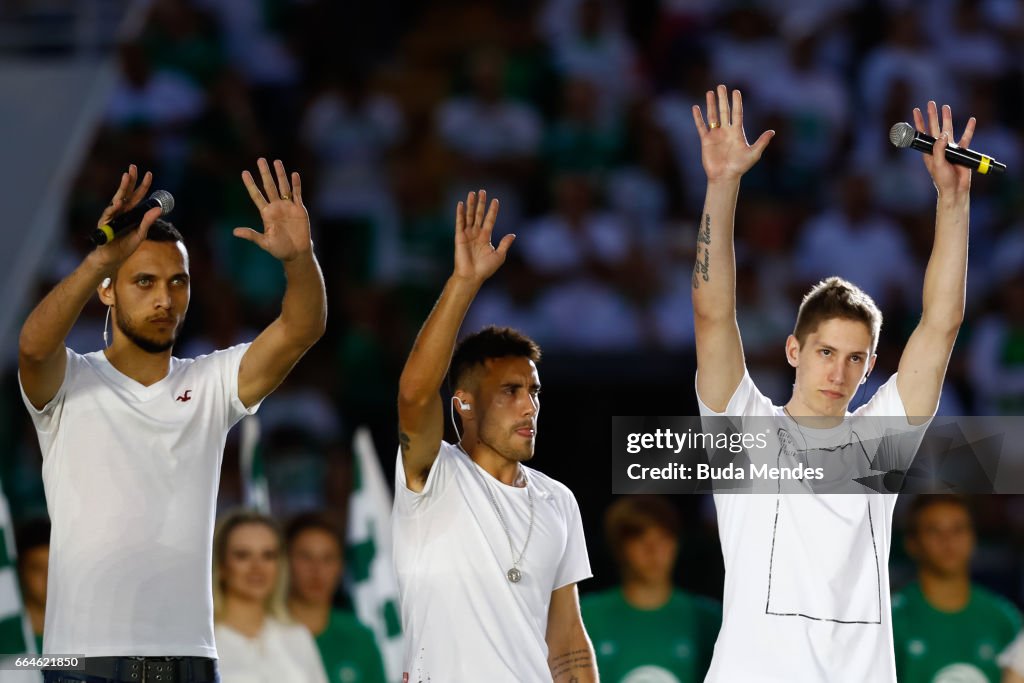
{"points": [[15, 630], [371, 572]]}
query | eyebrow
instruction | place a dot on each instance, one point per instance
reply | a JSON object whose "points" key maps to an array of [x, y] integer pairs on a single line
{"points": [[151, 276], [852, 353]]}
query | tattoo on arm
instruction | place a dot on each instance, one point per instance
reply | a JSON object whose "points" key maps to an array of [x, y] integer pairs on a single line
{"points": [[700, 268], [569, 663], [404, 441]]}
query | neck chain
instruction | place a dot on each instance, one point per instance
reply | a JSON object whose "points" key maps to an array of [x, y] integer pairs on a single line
{"points": [[515, 575]]}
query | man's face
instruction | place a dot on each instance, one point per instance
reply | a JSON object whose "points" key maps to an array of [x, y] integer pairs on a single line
{"points": [[830, 364], [315, 560], [651, 556], [944, 541], [33, 566], [152, 294], [508, 400]]}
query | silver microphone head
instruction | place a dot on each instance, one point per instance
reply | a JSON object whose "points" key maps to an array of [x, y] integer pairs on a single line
{"points": [[901, 134], [165, 200]]}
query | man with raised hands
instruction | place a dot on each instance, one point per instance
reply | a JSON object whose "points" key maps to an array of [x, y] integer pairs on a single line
{"points": [[806, 588], [132, 438], [488, 551]]}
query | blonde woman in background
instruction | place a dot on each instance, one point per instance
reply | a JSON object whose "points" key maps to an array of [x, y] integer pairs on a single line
{"points": [[256, 640]]}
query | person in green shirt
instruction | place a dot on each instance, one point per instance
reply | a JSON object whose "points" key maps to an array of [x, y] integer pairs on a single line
{"points": [[348, 649], [647, 631], [946, 629]]}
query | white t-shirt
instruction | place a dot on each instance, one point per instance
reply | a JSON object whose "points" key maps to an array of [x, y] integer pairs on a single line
{"points": [[131, 476], [463, 620], [806, 575], [281, 652]]}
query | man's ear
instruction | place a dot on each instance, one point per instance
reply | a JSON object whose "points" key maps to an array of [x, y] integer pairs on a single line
{"points": [[463, 403], [792, 351], [106, 291]]}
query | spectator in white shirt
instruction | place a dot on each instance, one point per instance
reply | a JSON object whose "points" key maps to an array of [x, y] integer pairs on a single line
{"points": [[257, 642]]}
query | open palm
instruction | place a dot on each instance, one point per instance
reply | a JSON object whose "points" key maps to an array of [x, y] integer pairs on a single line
{"points": [[286, 232], [725, 152], [475, 258]]}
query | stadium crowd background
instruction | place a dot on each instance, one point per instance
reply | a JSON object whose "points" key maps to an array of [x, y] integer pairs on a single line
{"points": [[576, 114]]}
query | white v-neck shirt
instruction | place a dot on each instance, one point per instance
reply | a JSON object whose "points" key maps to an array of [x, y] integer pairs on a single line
{"points": [[462, 619], [131, 476]]}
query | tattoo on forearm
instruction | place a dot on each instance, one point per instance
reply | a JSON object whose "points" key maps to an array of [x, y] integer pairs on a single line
{"points": [[404, 441], [570, 662], [700, 268]]}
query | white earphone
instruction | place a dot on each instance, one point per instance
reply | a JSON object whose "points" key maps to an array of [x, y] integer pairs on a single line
{"points": [[464, 406], [106, 320]]}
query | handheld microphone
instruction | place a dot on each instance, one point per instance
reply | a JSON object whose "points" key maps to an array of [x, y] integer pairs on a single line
{"points": [[129, 220], [903, 135]]}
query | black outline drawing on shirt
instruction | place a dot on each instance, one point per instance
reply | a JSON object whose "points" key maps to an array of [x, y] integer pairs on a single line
{"points": [[855, 441]]}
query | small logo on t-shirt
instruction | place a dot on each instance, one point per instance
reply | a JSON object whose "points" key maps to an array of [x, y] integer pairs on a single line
{"points": [[185, 397]]}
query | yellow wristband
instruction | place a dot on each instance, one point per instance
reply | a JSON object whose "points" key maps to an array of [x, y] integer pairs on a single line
{"points": [[983, 165]]}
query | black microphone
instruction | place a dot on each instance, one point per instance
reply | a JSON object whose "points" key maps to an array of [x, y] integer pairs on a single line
{"points": [[129, 220], [903, 135]]}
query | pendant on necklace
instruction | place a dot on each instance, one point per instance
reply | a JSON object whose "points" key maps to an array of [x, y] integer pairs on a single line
{"points": [[514, 575]]}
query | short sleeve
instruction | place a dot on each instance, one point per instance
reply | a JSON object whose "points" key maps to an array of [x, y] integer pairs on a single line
{"points": [[575, 564], [885, 403], [224, 365], [746, 401], [47, 418], [233, 360], [899, 441], [409, 502]]}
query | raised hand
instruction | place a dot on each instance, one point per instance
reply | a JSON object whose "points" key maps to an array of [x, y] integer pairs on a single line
{"points": [[475, 258], [725, 152], [129, 193], [285, 233], [948, 178]]}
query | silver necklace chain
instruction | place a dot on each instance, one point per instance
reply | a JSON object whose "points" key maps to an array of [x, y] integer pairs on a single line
{"points": [[515, 575]]}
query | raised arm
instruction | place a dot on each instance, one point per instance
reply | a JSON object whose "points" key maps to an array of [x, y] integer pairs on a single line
{"points": [[420, 413], [42, 358], [726, 157], [923, 363], [303, 316], [570, 653]]}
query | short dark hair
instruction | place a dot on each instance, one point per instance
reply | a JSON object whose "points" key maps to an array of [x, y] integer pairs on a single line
{"points": [[922, 502], [164, 231], [630, 516], [490, 342], [833, 298], [32, 533], [312, 520]]}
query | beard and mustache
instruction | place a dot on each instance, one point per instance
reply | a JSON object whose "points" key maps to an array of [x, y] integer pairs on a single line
{"points": [[137, 337]]}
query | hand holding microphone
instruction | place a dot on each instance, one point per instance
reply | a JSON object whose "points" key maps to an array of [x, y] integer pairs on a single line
{"points": [[903, 135], [116, 226]]}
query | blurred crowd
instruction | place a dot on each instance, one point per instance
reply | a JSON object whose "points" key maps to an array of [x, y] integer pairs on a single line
{"points": [[576, 114]]}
